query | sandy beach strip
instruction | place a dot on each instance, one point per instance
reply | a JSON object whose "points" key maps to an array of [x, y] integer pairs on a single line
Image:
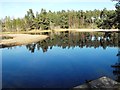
{"points": [[74, 30], [20, 39]]}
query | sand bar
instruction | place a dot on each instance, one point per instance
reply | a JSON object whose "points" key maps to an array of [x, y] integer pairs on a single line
{"points": [[20, 39]]}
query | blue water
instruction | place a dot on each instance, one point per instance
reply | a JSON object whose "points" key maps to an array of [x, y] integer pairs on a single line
{"points": [[58, 67]]}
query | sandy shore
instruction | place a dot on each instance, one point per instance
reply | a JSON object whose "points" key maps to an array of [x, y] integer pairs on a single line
{"points": [[74, 30], [20, 39], [88, 30]]}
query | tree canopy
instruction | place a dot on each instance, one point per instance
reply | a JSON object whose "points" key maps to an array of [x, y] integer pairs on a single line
{"points": [[112, 19], [72, 19]]}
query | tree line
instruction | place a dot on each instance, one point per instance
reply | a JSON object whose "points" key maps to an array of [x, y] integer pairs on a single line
{"points": [[71, 19]]}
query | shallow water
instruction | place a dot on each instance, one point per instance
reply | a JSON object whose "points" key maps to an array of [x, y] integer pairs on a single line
{"points": [[63, 60]]}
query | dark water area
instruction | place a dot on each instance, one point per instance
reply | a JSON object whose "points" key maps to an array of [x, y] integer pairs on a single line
{"points": [[64, 60]]}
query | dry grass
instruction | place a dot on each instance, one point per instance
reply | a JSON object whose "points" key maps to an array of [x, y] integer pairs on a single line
{"points": [[21, 39]]}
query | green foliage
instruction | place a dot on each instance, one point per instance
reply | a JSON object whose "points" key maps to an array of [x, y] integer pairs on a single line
{"points": [[110, 19], [117, 20], [44, 20]]}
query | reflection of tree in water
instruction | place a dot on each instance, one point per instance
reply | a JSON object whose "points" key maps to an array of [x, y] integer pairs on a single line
{"points": [[84, 39], [116, 67], [31, 47]]}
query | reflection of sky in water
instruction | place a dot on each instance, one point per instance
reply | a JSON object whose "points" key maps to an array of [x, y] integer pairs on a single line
{"points": [[57, 67], [98, 38], [93, 38]]}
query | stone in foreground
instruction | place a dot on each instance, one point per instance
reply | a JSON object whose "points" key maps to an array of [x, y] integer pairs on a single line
{"points": [[103, 82]]}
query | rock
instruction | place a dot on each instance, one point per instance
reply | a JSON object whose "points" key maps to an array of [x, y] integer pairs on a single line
{"points": [[103, 82]]}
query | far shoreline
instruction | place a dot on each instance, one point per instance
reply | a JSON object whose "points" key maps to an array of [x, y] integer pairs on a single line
{"points": [[62, 30], [24, 38]]}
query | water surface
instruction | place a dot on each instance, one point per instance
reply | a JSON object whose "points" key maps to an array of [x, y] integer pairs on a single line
{"points": [[63, 60]]}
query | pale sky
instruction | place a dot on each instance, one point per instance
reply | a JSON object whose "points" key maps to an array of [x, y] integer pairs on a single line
{"points": [[14, 8]]}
